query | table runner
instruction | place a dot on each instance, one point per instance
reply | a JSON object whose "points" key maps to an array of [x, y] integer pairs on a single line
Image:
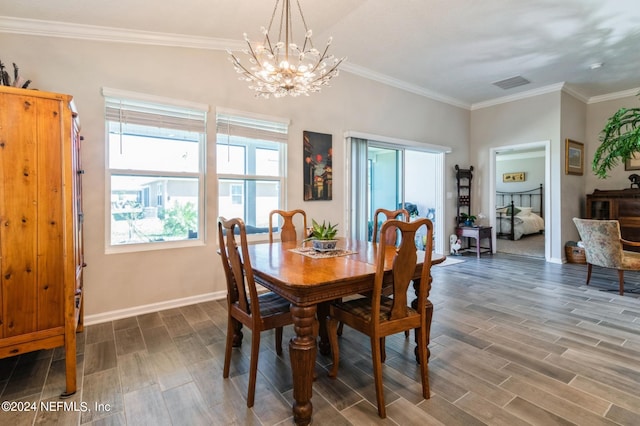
{"points": [[310, 252]]}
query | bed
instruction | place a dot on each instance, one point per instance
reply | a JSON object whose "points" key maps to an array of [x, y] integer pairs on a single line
{"points": [[519, 213]]}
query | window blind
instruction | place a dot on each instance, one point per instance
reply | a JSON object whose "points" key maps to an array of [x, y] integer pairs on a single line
{"points": [[235, 125], [128, 111]]}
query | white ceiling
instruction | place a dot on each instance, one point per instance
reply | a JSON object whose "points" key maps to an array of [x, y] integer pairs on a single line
{"points": [[450, 50]]}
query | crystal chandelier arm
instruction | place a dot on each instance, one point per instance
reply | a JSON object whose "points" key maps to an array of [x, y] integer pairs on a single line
{"points": [[323, 57], [267, 42], [307, 38], [248, 74], [329, 73]]}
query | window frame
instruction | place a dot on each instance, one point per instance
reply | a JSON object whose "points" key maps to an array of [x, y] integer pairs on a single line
{"points": [[200, 174], [280, 178]]}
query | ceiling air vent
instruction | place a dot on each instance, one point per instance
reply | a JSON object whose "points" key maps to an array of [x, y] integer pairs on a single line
{"points": [[510, 83]]}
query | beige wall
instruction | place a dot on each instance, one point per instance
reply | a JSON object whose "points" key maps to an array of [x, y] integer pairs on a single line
{"points": [[554, 117], [126, 282], [573, 123], [524, 121]]}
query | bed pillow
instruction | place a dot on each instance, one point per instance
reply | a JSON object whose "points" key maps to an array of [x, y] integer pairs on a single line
{"points": [[516, 210], [524, 211]]}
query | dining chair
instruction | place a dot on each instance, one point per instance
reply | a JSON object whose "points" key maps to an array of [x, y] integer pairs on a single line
{"points": [[378, 316], [244, 306], [388, 214], [391, 235], [604, 247], [288, 229]]}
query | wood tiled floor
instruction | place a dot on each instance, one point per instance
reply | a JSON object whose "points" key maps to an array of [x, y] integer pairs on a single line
{"points": [[514, 341]]}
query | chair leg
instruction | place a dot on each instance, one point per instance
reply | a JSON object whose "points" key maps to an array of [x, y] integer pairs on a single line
{"points": [[423, 360], [332, 331], [621, 280], [589, 267], [377, 375], [253, 366], [383, 350], [228, 347], [340, 327], [279, 341], [406, 334]]}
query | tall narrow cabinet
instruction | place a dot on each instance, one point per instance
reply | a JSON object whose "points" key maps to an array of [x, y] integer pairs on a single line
{"points": [[463, 185], [41, 254]]}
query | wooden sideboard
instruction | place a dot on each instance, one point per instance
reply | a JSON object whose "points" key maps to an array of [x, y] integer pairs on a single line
{"points": [[623, 205]]}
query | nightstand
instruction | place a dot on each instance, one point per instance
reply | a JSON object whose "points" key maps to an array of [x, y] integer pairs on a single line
{"points": [[478, 233]]}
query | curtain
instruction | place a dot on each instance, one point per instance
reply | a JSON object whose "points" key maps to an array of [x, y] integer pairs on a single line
{"points": [[358, 186]]}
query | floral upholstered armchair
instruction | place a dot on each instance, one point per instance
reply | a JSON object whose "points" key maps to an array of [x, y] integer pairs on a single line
{"points": [[603, 246]]}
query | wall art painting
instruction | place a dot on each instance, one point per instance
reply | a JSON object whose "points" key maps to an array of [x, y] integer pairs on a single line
{"points": [[318, 156], [574, 158]]}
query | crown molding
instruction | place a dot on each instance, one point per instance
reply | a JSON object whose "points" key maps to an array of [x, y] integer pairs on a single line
{"points": [[122, 35], [400, 84], [518, 96], [614, 96], [573, 92], [43, 28], [112, 34]]}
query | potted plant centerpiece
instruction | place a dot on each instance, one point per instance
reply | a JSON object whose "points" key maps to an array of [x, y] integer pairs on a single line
{"points": [[468, 219], [323, 236]]}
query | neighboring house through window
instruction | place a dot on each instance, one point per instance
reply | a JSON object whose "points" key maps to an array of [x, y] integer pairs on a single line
{"points": [[155, 167], [251, 164]]}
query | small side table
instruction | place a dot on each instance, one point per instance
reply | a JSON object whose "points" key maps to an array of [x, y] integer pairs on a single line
{"points": [[478, 233]]}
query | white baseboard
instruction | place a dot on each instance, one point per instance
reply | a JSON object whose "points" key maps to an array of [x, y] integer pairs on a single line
{"points": [[154, 307]]}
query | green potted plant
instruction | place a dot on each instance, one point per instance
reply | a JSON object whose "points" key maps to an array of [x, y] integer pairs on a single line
{"points": [[323, 236], [619, 140], [467, 219]]}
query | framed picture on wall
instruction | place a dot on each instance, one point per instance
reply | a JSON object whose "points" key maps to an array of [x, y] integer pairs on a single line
{"points": [[513, 177], [317, 166], [633, 163], [574, 157]]}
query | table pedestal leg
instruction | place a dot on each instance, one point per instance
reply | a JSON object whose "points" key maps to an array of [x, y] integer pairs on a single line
{"points": [[302, 350], [414, 305]]}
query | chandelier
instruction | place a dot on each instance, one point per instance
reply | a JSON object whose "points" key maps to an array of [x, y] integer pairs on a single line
{"points": [[286, 68]]}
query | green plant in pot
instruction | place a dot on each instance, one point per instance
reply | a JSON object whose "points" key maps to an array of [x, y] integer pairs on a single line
{"points": [[323, 236], [619, 141], [467, 219]]}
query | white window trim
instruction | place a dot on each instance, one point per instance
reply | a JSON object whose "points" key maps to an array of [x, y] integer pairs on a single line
{"points": [[139, 247], [283, 161]]}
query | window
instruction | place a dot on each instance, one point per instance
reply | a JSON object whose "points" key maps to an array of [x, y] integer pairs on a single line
{"points": [[236, 194], [155, 167], [251, 165]]}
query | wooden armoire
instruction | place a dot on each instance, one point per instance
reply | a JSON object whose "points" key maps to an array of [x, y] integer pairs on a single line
{"points": [[41, 253]]}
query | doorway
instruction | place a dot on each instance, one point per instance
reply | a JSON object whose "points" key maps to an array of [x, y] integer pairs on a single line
{"points": [[532, 162]]}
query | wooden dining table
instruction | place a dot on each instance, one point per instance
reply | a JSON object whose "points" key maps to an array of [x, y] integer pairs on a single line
{"points": [[310, 283]]}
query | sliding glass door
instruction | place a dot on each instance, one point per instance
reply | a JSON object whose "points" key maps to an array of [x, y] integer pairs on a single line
{"points": [[391, 176], [384, 189]]}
